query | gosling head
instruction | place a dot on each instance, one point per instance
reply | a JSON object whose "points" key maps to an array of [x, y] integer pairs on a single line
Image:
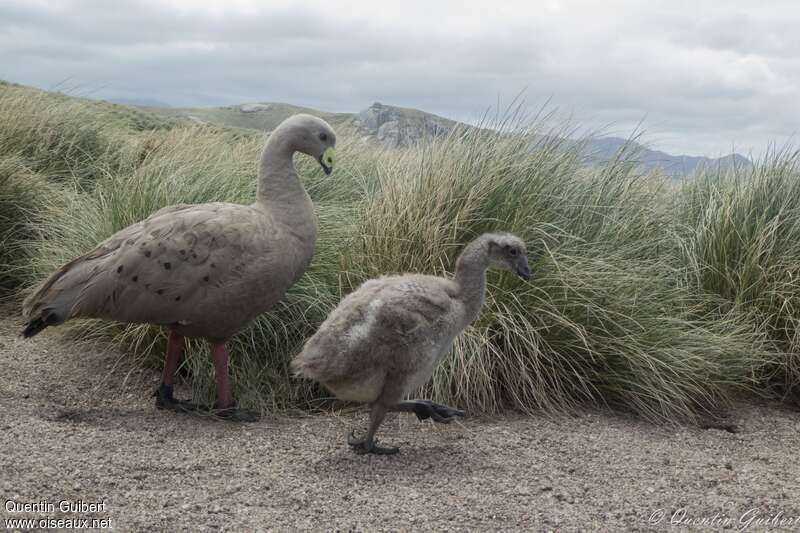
{"points": [[507, 252], [312, 136]]}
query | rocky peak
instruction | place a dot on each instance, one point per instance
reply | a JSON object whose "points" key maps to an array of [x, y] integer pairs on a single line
{"points": [[397, 126]]}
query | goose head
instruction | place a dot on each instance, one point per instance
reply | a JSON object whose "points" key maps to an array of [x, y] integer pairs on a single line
{"points": [[312, 136]]}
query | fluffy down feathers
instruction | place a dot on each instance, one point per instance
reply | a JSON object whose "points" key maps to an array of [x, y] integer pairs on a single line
{"points": [[390, 325]]}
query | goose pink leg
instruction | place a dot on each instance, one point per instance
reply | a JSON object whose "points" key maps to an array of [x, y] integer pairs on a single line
{"points": [[226, 405], [164, 397], [175, 346], [219, 354]]}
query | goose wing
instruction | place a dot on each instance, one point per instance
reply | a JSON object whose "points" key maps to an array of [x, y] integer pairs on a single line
{"points": [[158, 270]]}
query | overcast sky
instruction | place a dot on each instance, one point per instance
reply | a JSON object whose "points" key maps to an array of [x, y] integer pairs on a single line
{"points": [[703, 77]]}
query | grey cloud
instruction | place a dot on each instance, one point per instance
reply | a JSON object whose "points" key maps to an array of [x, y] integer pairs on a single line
{"points": [[702, 80]]}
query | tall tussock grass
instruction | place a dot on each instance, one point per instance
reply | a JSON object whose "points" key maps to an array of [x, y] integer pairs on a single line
{"points": [[740, 238], [21, 193], [604, 321], [625, 308], [61, 138]]}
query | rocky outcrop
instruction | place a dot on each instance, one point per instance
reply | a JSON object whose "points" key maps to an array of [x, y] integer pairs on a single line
{"points": [[397, 126]]}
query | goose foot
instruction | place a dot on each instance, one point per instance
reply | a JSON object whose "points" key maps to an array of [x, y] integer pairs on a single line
{"points": [[165, 400], [368, 445], [425, 409]]}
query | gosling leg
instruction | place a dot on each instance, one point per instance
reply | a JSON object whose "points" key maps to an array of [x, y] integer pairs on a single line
{"points": [[368, 444]]}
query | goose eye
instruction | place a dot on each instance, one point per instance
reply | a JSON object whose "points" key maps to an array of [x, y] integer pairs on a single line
{"points": [[514, 252], [323, 136]]}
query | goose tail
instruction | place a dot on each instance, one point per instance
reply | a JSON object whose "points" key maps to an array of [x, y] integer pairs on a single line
{"points": [[33, 327], [50, 303]]}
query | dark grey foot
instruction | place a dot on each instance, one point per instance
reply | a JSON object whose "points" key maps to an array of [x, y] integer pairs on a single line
{"points": [[165, 400], [235, 414], [364, 446], [425, 409]]}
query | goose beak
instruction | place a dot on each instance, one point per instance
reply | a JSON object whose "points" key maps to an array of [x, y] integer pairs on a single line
{"points": [[326, 160], [325, 168]]}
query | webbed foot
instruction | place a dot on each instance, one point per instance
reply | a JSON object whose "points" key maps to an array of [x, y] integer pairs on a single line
{"points": [[443, 414], [165, 400], [365, 445]]}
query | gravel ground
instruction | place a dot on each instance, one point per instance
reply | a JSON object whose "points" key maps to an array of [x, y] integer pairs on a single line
{"points": [[77, 423]]}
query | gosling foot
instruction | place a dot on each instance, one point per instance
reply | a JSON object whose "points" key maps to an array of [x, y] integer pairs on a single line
{"points": [[425, 409], [368, 445]]}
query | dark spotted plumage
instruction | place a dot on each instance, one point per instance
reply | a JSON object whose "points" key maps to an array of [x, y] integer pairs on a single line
{"points": [[159, 270]]}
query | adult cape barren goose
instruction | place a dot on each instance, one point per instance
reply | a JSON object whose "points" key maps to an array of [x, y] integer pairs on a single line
{"points": [[202, 270], [386, 338]]}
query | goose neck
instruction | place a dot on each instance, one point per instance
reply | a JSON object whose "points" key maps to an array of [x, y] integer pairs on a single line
{"points": [[280, 191]]}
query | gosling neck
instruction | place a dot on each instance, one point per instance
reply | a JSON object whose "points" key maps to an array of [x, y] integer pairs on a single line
{"points": [[279, 188], [471, 276]]}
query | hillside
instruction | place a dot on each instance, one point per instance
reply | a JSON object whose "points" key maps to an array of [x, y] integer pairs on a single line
{"points": [[389, 125], [402, 127], [255, 116], [113, 115]]}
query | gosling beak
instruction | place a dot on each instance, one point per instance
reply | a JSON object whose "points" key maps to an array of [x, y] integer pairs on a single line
{"points": [[523, 270], [326, 160]]}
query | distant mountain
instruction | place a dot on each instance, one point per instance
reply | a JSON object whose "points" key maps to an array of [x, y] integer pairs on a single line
{"points": [[401, 127], [677, 166], [397, 126]]}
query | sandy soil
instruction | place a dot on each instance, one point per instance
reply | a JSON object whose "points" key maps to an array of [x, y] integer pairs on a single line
{"points": [[76, 424]]}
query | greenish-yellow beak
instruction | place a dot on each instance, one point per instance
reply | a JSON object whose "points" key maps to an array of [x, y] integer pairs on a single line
{"points": [[326, 160]]}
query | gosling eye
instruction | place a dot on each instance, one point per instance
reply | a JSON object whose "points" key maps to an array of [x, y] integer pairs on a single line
{"points": [[323, 136], [513, 252]]}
